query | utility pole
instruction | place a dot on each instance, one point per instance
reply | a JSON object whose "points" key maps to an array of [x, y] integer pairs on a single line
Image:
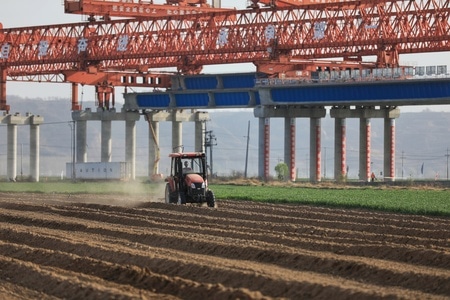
{"points": [[246, 152], [21, 162], [74, 151], [210, 140], [403, 156], [72, 148], [447, 155]]}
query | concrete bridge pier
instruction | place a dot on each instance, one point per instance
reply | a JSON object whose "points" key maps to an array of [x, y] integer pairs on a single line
{"points": [[340, 149], [365, 114], [200, 139], [153, 148], [177, 136], [177, 117], [106, 141], [130, 145], [199, 118], [389, 149], [11, 157], [289, 113], [264, 148], [364, 149], [315, 153], [34, 151], [106, 117], [11, 165], [289, 146], [81, 142]]}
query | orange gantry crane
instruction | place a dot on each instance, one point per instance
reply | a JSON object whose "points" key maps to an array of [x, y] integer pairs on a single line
{"points": [[126, 52]]}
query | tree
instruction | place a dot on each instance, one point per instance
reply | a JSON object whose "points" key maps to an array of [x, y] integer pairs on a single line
{"points": [[282, 171]]}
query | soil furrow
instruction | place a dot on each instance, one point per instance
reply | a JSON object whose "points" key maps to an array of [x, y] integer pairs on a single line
{"points": [[429, 254], [49, 281], [296, 259], [124, 274], [211, 223], [111, 246], [293, 285]]}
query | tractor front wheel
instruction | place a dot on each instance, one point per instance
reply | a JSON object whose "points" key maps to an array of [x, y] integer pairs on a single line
{"points": [[210, 199]]}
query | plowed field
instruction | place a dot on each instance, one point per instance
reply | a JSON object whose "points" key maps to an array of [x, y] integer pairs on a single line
{"points": [[107, 247]]}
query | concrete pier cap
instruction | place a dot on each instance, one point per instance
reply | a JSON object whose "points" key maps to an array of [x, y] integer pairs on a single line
{"points": [[289, 112], [105, 115], [177, 115], [18, 119], [12, 121], [391, 112]]}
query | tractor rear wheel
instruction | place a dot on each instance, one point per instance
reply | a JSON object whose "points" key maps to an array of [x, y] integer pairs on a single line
{"points": [[210, 198], [168, 195]]}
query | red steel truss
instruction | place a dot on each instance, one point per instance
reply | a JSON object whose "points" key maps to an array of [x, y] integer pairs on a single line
{"points": [[265, 36], [135, 9]]}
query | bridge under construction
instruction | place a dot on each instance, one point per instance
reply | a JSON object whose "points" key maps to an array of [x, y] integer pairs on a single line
{"points": [[308, 55]]}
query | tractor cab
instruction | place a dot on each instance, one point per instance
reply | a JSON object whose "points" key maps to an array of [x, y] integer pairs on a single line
{"points": [[188, 182]]}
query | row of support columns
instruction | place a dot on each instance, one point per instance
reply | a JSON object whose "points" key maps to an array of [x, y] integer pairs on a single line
{"points": [[340, 114], [289, 114], [106, 117], [12, 121], [365, 114], [176, 117]]}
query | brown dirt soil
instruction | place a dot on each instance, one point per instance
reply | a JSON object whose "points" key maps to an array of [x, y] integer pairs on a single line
{"points": [[107, 247]]}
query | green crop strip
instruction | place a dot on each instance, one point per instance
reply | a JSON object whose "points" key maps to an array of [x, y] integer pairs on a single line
{"points": [[404, 200], [410, 201]]}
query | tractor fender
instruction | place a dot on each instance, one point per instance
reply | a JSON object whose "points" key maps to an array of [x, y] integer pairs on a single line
{"points": [[172, 183], [193, 178]]}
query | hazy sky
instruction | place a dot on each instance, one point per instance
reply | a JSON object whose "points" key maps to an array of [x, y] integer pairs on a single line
{"points": [[21, 13]]}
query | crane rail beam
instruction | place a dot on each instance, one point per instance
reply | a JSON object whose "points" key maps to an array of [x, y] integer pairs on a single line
{"points": [[141, 9]]}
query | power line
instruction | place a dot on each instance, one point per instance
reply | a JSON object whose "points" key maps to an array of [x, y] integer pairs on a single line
{"points": [[49, 123]]}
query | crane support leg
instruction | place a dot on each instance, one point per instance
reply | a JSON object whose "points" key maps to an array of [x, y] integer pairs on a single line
{"points": [[3, 105], [105, 96], [388, 58], [75, 102]]}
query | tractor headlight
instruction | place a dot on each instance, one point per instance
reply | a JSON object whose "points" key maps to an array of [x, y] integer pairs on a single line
{"points": [[203, 185], [192, 185]]}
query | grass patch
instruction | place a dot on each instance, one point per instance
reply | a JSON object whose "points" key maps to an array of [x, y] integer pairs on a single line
{"points": [[411, 200], [408, 201], [68, 187]]}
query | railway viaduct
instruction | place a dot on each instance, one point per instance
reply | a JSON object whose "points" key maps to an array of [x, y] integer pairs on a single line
{"points": [[289, 100], [269, 98]]}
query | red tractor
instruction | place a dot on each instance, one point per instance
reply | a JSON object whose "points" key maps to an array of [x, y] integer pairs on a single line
{"points": [[188, 182]]}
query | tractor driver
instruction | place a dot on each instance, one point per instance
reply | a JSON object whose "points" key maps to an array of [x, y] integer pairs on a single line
{"points": [[186, 167]]}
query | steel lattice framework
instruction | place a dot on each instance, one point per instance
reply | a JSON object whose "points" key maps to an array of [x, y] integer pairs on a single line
{"points": [[264, 35]]}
